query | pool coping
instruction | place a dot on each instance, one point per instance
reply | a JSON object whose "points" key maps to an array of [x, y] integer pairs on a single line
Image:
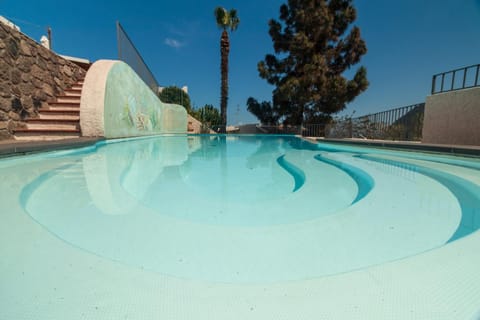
{"points": [[459, 150], [10, 148]]}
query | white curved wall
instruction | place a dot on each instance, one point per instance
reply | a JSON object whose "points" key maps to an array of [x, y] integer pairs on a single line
{"points": [[116, 103]]}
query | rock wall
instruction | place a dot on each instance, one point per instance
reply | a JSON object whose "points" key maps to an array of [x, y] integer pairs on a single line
{"points": [[30, 75]]}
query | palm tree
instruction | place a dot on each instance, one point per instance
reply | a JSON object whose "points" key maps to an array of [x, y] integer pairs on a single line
{"points": [[225, 20]]}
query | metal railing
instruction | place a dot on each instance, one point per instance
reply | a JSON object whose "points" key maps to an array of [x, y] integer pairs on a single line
{"points": [[404, 123], [128, 53], [258, 129], [457, 79], [306, 130]]}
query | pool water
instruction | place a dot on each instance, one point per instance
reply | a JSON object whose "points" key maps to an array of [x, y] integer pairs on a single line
{"points": [[250, 209]]}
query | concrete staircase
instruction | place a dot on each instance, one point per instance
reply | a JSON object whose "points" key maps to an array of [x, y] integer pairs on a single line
{"points": [[59, 120]]}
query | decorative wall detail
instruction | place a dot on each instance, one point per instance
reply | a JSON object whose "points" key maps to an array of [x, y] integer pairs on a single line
{"points": [[117, 103]]}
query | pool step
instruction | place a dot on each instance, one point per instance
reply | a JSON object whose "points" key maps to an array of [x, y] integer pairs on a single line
{"points": [[60, 119]]}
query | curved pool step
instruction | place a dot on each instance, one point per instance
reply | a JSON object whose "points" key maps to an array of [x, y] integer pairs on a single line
{"points": [[382, 227], [463, 183]]}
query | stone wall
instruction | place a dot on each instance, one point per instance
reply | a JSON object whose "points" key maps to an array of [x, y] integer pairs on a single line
{"points": [[30, 75]]}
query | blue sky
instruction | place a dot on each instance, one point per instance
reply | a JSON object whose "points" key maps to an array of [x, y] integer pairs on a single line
{"points": [[408, 41]]}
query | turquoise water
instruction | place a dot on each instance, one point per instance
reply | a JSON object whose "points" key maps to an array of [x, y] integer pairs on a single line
{"points": [[250, 209]]}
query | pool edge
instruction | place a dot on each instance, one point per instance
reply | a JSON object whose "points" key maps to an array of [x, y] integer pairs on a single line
{"points": [[455, 150]]}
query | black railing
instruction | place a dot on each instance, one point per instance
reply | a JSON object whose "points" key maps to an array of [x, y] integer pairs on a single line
{"points": [[405, 123], [257, 129], [306, 130], [457, 79], [128, 53], [314, 130]]}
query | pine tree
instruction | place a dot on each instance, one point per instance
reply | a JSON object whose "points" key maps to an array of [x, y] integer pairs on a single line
{"points": [[314, 45], [264, 111]]}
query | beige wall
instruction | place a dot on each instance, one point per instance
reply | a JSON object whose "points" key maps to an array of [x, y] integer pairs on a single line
{"points": [[453, 118], [194, 126]]}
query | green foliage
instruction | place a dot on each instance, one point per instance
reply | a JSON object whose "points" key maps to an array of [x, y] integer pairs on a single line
{"points": [[208, 115], [176, 95], [314, 45], [264, 111], [226, 19]]}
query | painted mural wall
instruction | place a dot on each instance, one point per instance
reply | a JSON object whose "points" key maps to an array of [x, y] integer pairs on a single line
{"points": [[116, 103]]}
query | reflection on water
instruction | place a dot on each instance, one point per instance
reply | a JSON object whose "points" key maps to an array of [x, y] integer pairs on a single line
{"points": [[221, 208], [119, 175], [229, 179]]}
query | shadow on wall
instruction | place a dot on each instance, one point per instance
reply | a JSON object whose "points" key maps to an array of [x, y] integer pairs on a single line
{"points": [[116, 103]]}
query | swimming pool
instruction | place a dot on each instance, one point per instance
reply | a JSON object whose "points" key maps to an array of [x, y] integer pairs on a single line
{"points": [[226, 215]]}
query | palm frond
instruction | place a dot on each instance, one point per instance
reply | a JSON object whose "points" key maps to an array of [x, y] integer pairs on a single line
{"points": [[234, 19], [222, 17]]}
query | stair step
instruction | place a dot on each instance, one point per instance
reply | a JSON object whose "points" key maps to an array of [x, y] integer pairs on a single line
{"points": [[73, 93], [55, 115], [59, 111], [63, 108], [45, 135], [69, 103], [67, 99], [59, 120], [49, 123], [46, 131], [53, 125], [64, 105]]}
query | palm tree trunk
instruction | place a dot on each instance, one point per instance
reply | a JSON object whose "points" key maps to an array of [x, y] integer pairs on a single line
{"points": [[224, 51]]}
